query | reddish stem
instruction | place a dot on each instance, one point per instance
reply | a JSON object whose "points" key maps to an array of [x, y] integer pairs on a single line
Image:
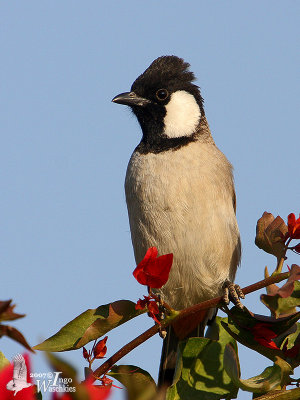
{"points": [[106, 366]]}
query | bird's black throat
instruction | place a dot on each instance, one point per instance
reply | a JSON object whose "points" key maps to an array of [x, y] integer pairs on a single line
{"points": [[162, 144], [154, 140]]}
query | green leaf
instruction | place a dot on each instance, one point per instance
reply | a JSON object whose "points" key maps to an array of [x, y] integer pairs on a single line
{"points": [[60, 365], [231, 363], [292, 338], [172, 393], [291, 346], [3, 361], [247, 320], [200, 372], [90, 325], [240, 323], [283, 305], [139, 383], [269, 379], [39, 396], [293, 394], [184, 392]]}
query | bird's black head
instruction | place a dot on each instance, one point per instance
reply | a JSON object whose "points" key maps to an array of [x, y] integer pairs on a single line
{"points": [[166, 102]]}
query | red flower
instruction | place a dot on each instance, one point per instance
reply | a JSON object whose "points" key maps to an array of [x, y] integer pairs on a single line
{"points": [[100, 348], [97, 392], [152, 306], [88, 392], [107, 382], [141, 304], [152, 271], [85, 353], [294, 226], [6, 375], [264, 335], [153, 311]]}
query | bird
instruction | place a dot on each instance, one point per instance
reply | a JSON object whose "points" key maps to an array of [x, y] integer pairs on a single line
{"points": [[180, 195], [19, 380]]}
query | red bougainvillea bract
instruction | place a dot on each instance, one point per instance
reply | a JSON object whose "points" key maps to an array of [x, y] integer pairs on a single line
{"points": [[264, 335], [294, 226], [153, 271]]}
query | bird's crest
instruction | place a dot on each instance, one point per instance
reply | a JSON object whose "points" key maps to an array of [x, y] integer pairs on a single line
{"points": [[165, 69]]}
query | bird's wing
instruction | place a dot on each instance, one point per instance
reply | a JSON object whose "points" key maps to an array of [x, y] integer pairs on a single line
{"points": [[20, 370]]}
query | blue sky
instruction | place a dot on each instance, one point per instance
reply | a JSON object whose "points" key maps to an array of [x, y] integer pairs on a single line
{"points": [[65, 240]]}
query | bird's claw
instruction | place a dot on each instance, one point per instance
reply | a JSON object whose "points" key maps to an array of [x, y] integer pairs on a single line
{"points": [[162, 332], [234, 292]]}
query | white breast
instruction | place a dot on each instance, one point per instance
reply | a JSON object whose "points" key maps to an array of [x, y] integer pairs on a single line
{"points": [[182, 203]]}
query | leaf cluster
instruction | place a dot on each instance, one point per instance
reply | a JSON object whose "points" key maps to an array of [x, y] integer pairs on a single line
{"points": [[207, 368]]}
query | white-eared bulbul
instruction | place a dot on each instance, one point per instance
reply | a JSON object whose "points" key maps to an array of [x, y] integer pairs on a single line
{"points": [[180, 192]]}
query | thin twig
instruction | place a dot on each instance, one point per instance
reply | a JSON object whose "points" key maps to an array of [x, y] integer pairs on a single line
{"points": [[106, 366], [282, 259]]}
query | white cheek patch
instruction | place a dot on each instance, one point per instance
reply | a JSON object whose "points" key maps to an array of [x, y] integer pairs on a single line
{"points": [[183, 115]]}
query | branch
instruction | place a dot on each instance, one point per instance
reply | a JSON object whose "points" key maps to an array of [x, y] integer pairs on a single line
{"points": [[106, 366]]}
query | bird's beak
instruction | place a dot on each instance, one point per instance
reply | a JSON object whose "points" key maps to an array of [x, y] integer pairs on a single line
{"points": [[130, 99]]}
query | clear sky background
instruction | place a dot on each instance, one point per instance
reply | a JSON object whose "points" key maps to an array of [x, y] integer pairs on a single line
{"points": [[65, 242]]}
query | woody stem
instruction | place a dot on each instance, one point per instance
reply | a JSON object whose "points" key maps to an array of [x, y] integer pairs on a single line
{"points": [[106, 366], [282, 259]]}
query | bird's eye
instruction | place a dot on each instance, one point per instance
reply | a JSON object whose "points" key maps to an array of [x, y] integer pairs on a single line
{"points": [[162, 94]]}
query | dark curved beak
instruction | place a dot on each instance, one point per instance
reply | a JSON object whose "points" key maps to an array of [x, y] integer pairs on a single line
{"points": [[130, 99]]}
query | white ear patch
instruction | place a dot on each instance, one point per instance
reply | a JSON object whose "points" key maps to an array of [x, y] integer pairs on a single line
{"points": [[183, 115]]}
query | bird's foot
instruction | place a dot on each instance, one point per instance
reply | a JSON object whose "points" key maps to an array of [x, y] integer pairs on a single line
{"points": [[164, 309], [233, 292], [162, 332]]}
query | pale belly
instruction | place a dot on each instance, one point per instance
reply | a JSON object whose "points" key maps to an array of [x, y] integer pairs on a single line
{"points": [[183, 205]]}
